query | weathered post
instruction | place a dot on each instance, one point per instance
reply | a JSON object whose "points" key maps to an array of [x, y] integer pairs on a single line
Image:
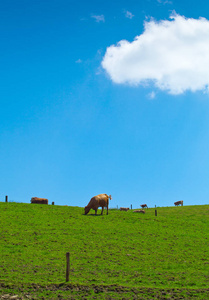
{"points": [[156, 213], [6, 198], [131, 206], [68, 266], [52, 203]]}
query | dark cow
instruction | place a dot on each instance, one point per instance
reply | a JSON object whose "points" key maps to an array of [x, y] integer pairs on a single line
{"points": [[39, 200], [177, 203]]}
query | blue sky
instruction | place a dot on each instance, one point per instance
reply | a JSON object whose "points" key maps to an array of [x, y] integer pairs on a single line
{"points": [[83, 113]]}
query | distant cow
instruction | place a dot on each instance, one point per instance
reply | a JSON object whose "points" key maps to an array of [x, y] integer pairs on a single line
{"points": [[140, 211], [144, 205], [101, 200], [124, 208], [177, 203], [39, 200]]}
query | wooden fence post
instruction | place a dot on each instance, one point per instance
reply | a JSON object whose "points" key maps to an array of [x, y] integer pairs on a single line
{"points": [[6, 198], [131, 206], [52, 203], [68, 266], [156, 213]]}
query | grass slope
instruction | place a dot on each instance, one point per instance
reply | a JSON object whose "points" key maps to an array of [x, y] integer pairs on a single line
{"points": [[122, 255]]}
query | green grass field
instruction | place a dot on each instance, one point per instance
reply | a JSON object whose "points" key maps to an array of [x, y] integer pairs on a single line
{"points": [[124, 255]]}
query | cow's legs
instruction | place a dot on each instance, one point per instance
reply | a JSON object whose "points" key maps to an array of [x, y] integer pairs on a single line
{"points": [[102, 210], [107, 209], [95, 211]]}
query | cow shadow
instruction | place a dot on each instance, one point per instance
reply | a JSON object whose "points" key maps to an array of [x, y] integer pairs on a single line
{"points": [[93, 215]]}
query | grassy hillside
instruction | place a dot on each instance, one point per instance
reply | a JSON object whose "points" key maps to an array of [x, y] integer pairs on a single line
{"points": [[115, 256]]}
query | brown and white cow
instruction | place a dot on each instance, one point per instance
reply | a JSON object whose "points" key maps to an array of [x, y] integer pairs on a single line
{"points": [[139, 211], [101, 200], [124, 208], [144, 205], [177, 203]]}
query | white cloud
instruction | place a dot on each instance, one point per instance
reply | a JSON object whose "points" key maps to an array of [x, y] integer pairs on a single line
{"points": [[83, 19], [172, 54], [79, 61], [152, 95], [128, 14], [164, 1], [98, 18]]}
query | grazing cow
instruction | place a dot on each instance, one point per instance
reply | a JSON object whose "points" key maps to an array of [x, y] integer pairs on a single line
{"points": [[39, 200], [140, 211], [177, 203], [101, 200], [124, 208], [144, 205]]}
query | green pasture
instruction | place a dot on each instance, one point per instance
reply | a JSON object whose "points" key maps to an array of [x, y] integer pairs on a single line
{"points": [[123, 255]]}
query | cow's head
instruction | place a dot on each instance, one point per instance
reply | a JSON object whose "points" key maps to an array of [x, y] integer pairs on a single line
{"points": [[86, 209]]}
